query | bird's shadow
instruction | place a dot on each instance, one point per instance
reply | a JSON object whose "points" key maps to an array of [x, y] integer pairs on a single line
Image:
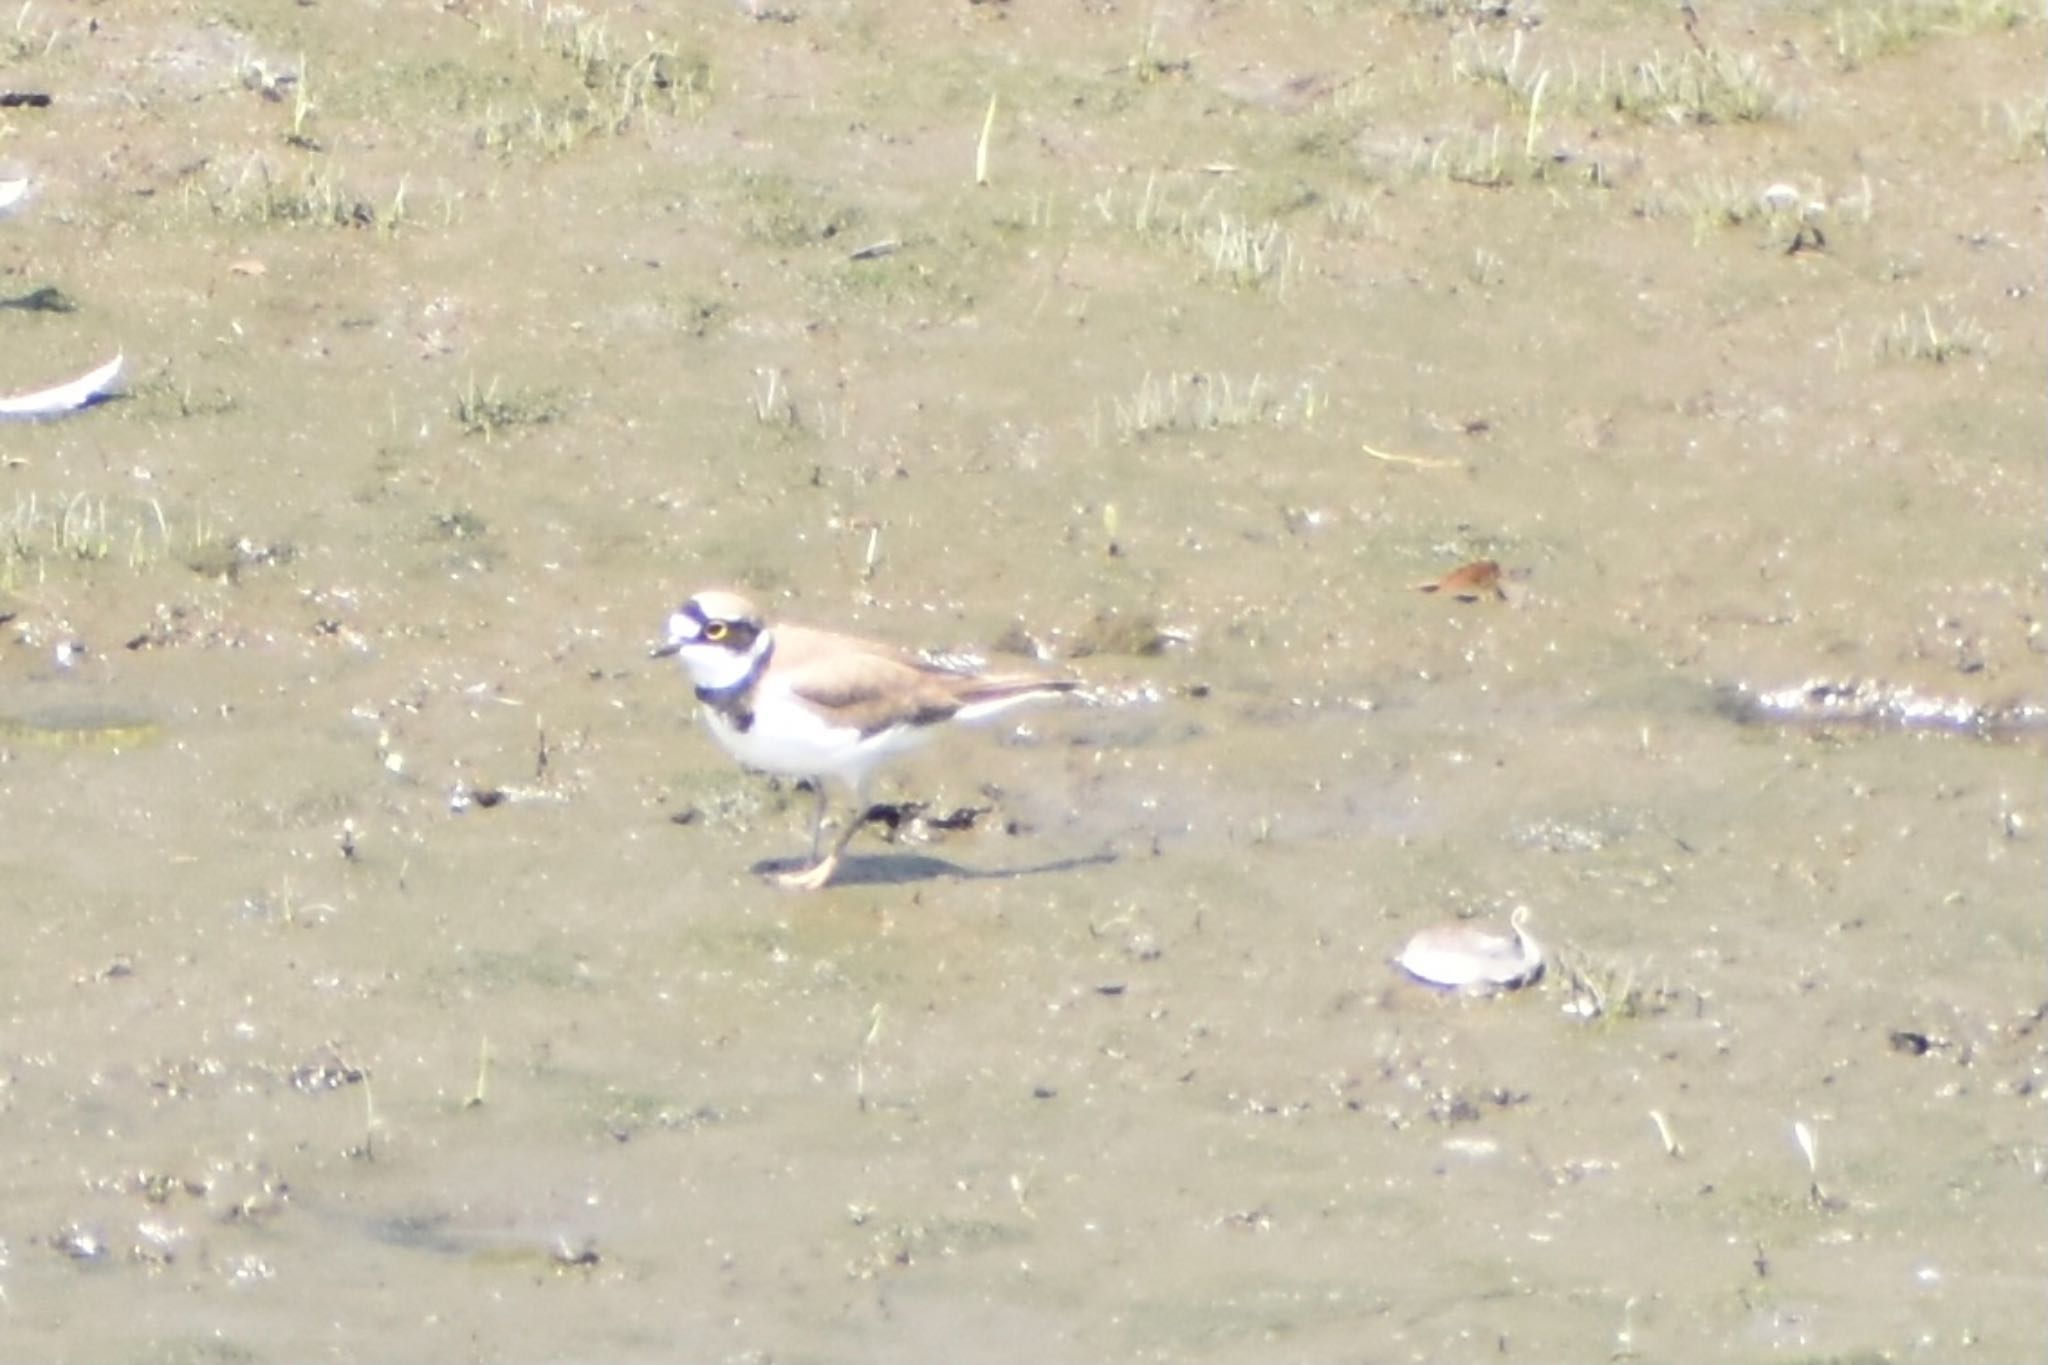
{"points": [[902, 869]]}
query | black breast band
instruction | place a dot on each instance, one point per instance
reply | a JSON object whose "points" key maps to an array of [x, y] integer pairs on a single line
{"points": [[734, 701]]}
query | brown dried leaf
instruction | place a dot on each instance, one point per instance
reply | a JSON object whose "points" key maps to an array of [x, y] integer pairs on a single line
{"points": [[1469, 582]]}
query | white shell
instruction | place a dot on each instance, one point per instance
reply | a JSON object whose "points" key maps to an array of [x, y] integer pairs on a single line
{"points": [[1466, 957], [1779, 198], [81, 392]]}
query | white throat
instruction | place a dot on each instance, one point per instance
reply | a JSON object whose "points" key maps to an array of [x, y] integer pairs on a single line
{"points": [[713, 668]]}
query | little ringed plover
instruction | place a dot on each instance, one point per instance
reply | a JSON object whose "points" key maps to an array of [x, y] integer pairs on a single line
{"points": [[813, 704]]}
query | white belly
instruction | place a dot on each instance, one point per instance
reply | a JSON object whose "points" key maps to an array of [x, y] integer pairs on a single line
{"points": [[791, 739]]}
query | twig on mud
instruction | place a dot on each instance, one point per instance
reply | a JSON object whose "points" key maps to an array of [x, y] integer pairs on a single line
{"points": [[1418, 461], [988, 126]]}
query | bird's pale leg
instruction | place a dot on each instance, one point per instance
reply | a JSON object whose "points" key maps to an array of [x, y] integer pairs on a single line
{"points": [[821, 870], [818, 817]]}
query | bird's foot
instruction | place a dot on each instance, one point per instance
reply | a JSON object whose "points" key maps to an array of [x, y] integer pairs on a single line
{"points": [[810, 878]]}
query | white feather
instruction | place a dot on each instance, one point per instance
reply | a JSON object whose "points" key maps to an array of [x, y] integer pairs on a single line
{"points": [[790, 737]]}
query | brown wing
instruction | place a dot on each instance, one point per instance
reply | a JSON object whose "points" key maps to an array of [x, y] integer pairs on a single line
{"points": [[865, 685], [871, 686]]}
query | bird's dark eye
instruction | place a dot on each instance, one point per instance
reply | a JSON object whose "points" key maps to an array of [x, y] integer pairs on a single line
{"points": [[716, 631]]}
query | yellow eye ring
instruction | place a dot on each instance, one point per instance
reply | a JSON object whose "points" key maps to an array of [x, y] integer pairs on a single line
{"points": [[715, 631]]}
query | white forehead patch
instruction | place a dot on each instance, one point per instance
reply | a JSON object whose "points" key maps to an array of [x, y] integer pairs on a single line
{"points": [[683, 629]]}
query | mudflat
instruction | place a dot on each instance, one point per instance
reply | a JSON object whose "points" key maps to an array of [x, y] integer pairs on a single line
{"points": [[391, 975]]}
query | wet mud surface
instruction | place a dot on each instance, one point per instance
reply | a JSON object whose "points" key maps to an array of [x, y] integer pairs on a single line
{"points": [[390, 972]]}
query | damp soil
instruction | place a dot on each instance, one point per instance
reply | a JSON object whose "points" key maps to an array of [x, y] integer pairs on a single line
{"points": [[390, 971]]}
